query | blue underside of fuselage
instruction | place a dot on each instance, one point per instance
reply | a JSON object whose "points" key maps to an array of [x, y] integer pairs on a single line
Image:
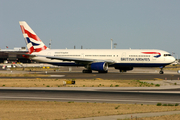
{"points": [[118, 64]]}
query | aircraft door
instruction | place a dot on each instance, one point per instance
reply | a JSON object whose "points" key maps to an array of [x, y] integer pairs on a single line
{"points": [[123, 55], [153, 58], [82, 55], [49, 53]]}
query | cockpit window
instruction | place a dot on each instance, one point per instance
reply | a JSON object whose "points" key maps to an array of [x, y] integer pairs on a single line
{"points": [[167, 55]]}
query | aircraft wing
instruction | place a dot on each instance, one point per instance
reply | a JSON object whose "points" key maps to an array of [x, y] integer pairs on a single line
{"points": [[78, 60]]}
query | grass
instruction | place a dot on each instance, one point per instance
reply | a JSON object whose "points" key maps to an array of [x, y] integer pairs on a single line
{"points": [[160, 104], [117, 107], [157, 85], [22, 75], [146, 84], [34, 69], [39, 82], [51, 110]]}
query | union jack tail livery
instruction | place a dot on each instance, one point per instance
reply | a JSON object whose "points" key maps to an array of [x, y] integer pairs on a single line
{"points": [[33, 42]]}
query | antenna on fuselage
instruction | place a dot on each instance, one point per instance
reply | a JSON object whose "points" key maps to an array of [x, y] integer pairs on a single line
{"points": [[111, 42], [50, 44], [115, 44]]}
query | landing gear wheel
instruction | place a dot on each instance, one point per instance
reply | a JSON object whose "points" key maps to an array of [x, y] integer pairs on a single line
{"points": [[102, 71], [87, 71], [121, 71], [161, 72]]}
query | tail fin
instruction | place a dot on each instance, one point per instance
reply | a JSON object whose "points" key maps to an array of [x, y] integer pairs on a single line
{"points": [[34, 44]]}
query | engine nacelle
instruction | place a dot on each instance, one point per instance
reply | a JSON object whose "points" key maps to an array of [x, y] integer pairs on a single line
{"points": [[99, 66]]}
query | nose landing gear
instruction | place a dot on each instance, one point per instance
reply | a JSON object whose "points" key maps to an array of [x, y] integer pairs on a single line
{"points": [[161, 71]]}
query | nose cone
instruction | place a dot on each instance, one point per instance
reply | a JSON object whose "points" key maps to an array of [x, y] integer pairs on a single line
{"points": [[172, 59]]}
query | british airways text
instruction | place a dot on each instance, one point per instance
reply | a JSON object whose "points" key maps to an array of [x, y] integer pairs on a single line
{"points": [[135, 59]]}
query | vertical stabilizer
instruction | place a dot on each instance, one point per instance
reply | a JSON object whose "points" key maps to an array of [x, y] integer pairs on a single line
{"points": [[33, 42]]}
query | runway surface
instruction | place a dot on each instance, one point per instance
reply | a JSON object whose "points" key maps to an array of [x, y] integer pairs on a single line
{"points": [[113, 74], [113, 95], [141, 96], [135, 74], [119, 76], [108, 76]]}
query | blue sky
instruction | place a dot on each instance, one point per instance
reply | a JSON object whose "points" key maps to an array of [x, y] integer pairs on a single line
{"points": [[136, 24]]}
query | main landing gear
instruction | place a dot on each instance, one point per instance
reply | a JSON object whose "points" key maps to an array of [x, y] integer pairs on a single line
{"points": [[161, 71], [87, 71], [102, 71], [90, 71], [121, 71]]}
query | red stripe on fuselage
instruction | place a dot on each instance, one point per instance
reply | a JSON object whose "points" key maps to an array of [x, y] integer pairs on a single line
{"points": [[151, 53]]}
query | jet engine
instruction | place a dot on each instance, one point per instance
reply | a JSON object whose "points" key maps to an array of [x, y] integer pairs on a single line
{"points": [[99, 66]]}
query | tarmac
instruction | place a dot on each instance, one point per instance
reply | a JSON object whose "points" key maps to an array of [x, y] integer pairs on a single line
{"points": [[114, 89], [129, 116], [165, 86]]}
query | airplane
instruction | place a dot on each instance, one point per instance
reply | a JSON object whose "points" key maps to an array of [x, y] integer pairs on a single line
{"points": [[94, 59]]}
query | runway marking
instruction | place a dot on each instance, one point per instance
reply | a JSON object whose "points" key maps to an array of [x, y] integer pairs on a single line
{"points": [[176, 92], [76, 99], [57, 76], [158, 79]]}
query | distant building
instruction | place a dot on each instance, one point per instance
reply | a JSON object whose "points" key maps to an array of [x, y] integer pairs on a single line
{"points": [[10, 55]]}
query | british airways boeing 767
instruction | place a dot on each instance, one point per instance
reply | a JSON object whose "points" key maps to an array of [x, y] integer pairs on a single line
{"points": [[94, 59]]}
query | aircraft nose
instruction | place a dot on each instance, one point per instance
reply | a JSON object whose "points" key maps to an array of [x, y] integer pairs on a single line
{"points": [[173, 59]]}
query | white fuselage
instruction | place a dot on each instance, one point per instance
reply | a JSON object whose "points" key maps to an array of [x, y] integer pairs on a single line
{"points": [[93, 59], [123, 57]]}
